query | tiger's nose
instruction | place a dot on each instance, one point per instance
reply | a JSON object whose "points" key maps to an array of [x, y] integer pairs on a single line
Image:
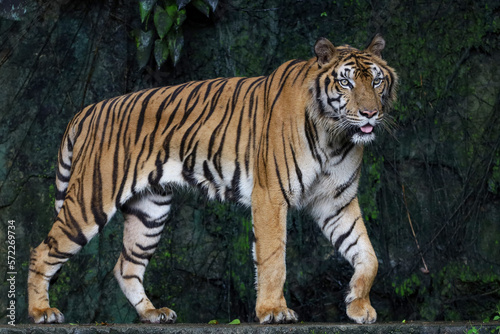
{"points": [[368, 113]]}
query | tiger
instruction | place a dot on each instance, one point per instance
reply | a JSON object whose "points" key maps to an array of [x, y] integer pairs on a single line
{"points": [[293, 139]]}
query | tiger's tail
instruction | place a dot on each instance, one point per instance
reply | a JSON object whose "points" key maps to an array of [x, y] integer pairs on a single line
{"points": [[63, 173]]}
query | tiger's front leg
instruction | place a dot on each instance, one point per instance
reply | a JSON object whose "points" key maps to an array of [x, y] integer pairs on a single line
{"points": [[347, 232], [269, 223]]}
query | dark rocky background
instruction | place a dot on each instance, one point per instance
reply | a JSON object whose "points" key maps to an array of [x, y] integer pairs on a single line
{"points": [[57, 56]]}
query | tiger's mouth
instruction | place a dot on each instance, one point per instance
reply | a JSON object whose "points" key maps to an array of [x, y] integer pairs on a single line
{"points": [[368, 128], [361, 135]]}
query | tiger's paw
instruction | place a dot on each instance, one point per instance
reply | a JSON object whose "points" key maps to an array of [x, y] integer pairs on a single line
{"points": [[361, 311], [278, 315], [162, 315], [49, 315]]}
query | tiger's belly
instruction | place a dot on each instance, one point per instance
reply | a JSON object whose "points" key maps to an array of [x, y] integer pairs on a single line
{"points": [[227, 181]]}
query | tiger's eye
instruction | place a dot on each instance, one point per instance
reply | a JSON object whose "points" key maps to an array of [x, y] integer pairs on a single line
{"points": [[377, 82], [344, 82]]}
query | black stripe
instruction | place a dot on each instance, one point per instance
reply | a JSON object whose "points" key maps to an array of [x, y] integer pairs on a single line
{"points": [[188, 110], [120, 144], [60, 255], [154, 235], [311, 136], [214, 102], [207, 173], [39, 273], [166, 143], [300, 71], [89, 111], [339, 211], [341, 149], [156, 175], [184, 139], [178, 90], [100, 217], [351, 245], [143, 256], [344, 236], [118, 114], [347, 184], [188, 167], [280, 183], [329, 219], [129, 259], [138, 161], [286, 158], [70, 144], [54, 263], [241, 113], [161, 220], [148, 248], [143, 217], [235, 183], [298, 171], [348, 149], [140, 120], [215, 135], [64, 165], [61, 177], [124, 179], [60, 195], [79, 239], [109, 109], [307, 72], [159, 113], [162, 203], [318, 93], [132, 277]]}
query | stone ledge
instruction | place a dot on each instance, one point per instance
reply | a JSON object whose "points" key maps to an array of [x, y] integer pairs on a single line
{"points": [[245, 328]]}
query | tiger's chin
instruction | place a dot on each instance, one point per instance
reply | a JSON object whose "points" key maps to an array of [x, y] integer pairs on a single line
{"points": [[360, 138]]}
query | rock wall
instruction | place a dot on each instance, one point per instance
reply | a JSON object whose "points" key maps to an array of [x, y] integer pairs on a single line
{"points": [[58, 56]]}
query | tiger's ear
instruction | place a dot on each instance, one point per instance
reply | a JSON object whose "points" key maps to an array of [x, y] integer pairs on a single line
{"points": [[376, 46], [324, 50]]}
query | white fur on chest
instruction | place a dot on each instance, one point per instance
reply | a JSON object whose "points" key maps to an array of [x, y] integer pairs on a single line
{"points": [[337, 183]]}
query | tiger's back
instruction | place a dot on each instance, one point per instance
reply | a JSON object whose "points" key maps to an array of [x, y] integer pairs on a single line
{"points": [[268, 142], [202, 133]]}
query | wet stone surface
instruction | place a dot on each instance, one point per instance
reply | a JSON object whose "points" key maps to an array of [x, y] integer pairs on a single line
{"points": [[306, 328]]}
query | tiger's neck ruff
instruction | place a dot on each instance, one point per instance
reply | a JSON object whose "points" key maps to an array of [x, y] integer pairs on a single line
{"points": [[292, 139]]}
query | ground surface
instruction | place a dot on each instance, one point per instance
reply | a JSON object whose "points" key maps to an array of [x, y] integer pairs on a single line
{"points": [[309, 328]]}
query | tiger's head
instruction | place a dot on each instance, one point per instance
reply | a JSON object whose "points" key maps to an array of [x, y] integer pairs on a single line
{"points": [[353, 90]]}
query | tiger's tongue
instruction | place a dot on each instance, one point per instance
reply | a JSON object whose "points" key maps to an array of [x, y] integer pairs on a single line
{"points": [[367, 128]]}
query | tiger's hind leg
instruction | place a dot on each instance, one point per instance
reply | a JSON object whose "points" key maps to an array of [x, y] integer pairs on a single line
{"points": [[145, 217], [65, 239]]}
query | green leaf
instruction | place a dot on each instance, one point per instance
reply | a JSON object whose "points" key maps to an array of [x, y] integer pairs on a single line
{"points": [[144, 43], [175, 44], [163, 21], [145, 7], [161, 52], [182, 3], [202, 7], [213, 322], [212, 4], [181, 17], [172, 11], [235, 322]]}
